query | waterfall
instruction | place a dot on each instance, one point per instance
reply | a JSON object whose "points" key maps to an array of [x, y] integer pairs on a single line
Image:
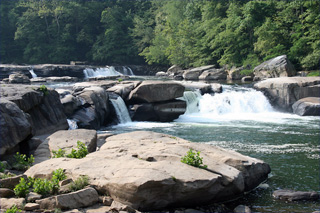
{"points": [[234, 103], [192, 99], [99, 72], [106, 71], [72, 124], [33, 74], [127, 71], [121, 110]]}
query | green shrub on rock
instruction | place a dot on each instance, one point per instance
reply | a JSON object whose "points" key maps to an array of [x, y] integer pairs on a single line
{"points": [[59, 174], [58, 154], [193, 159], [13, 209], [79, 183], [80, 153], [22, 162], [22, 188]]}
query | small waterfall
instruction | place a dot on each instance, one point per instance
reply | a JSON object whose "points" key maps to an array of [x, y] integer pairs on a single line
{"points": [[100, 72], [72, 124], [192, 99], [33, 74], [235, 102], [121, 110], [127, 71]]}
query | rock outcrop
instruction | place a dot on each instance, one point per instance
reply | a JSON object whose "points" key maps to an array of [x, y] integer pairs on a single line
{"points": [[276, 67], [18, 78], [143, 170], [284, 92], [28, 110], [307, 106], [291, 195]]}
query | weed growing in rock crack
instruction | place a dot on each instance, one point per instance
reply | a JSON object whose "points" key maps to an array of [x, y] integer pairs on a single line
{"points": [[193, 158], [79, 183], [13, 209], [4, 176], [59, 174], [2, 167], [22, 188], [58, 154], [22, 162], [44, 89], [80, 153]]}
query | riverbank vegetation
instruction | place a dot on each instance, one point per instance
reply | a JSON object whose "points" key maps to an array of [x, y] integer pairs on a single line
{"points": [[187, 33]]}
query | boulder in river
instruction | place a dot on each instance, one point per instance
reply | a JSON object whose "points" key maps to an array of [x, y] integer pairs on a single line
{"points": [[291, 195], [144, 171], [19, 78], [307, 106], [284, 92], [156, 91], [279, 66]]}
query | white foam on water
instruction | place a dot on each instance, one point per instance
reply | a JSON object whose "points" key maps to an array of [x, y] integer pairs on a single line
{"points": [[121, 110], [101, 72], [143, 125]]}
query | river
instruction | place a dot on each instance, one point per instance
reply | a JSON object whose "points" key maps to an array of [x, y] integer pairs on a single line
{"points": [[242, 119]]}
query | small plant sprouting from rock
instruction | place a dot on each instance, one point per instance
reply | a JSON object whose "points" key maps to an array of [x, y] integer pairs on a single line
{"points": [[22, 162], [80, 153], [79, 183], [44, 89], [13, 209], [22, 188], [193, 158], [2, 167], [41, 186]]}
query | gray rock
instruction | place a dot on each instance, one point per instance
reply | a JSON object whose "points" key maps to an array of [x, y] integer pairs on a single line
{"points": [[107, 200], [82, 198], [213, 74], [193, 74], [117, 206], [309, 106], [62, 79], [31, 206], [170, 111], [67, 139], [156, 91], [32, 197], [123, 89], [284, 92], [6, 193], [70, 104], [144, 171], [11, 182], [242, 209], [246, 78], [15, 125], [144, 112], [7, 203], [161, 74], [174, 70], [276, 67], [235, 73], [291, 195], [19, 78]]}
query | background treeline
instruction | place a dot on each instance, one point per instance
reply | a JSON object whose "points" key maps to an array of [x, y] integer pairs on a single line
{"points": [[184, 32]]}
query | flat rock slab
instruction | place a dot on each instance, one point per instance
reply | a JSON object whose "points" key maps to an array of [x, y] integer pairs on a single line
{"points": [[290, 195], [67, 139], [7, 203], [144, 171]]}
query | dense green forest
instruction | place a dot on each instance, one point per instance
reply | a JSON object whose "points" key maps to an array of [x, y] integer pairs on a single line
{"points": [[185, 32]]}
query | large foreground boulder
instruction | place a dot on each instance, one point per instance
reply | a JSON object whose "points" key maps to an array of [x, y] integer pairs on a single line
{"points": [[307, 106], [28, 110], [144, 170], [284, 92], [276, 67]]}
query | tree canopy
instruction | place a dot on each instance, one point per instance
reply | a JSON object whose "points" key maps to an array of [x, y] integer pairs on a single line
{"points": [[186, 32]]}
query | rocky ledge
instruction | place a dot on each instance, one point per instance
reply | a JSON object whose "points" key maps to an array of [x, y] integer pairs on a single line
{"points": [[284, 92], [144, 171]]}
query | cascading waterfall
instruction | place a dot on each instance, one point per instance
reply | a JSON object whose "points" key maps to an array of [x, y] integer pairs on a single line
{"points": [[72, 124], [106, 71], [99, 72], [234, 103], [121, 110], [33, 74], [192, 99]]}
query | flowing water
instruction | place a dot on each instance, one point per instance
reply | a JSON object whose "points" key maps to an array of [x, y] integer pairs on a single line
{"points": [[242, 119], [106, 71]]}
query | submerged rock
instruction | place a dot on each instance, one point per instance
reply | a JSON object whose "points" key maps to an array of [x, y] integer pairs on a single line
{"points": [[291, 195], [143, 170]]}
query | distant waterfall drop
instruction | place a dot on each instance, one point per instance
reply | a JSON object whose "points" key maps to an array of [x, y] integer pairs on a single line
{"points": [[72, 124], [33, 73], [121, 110]]}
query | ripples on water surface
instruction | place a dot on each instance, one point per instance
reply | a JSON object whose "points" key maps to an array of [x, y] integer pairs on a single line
{"points": [[244, 121]]}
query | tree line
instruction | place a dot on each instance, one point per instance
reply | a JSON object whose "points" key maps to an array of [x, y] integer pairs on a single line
{"points": [[188, 33]]}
